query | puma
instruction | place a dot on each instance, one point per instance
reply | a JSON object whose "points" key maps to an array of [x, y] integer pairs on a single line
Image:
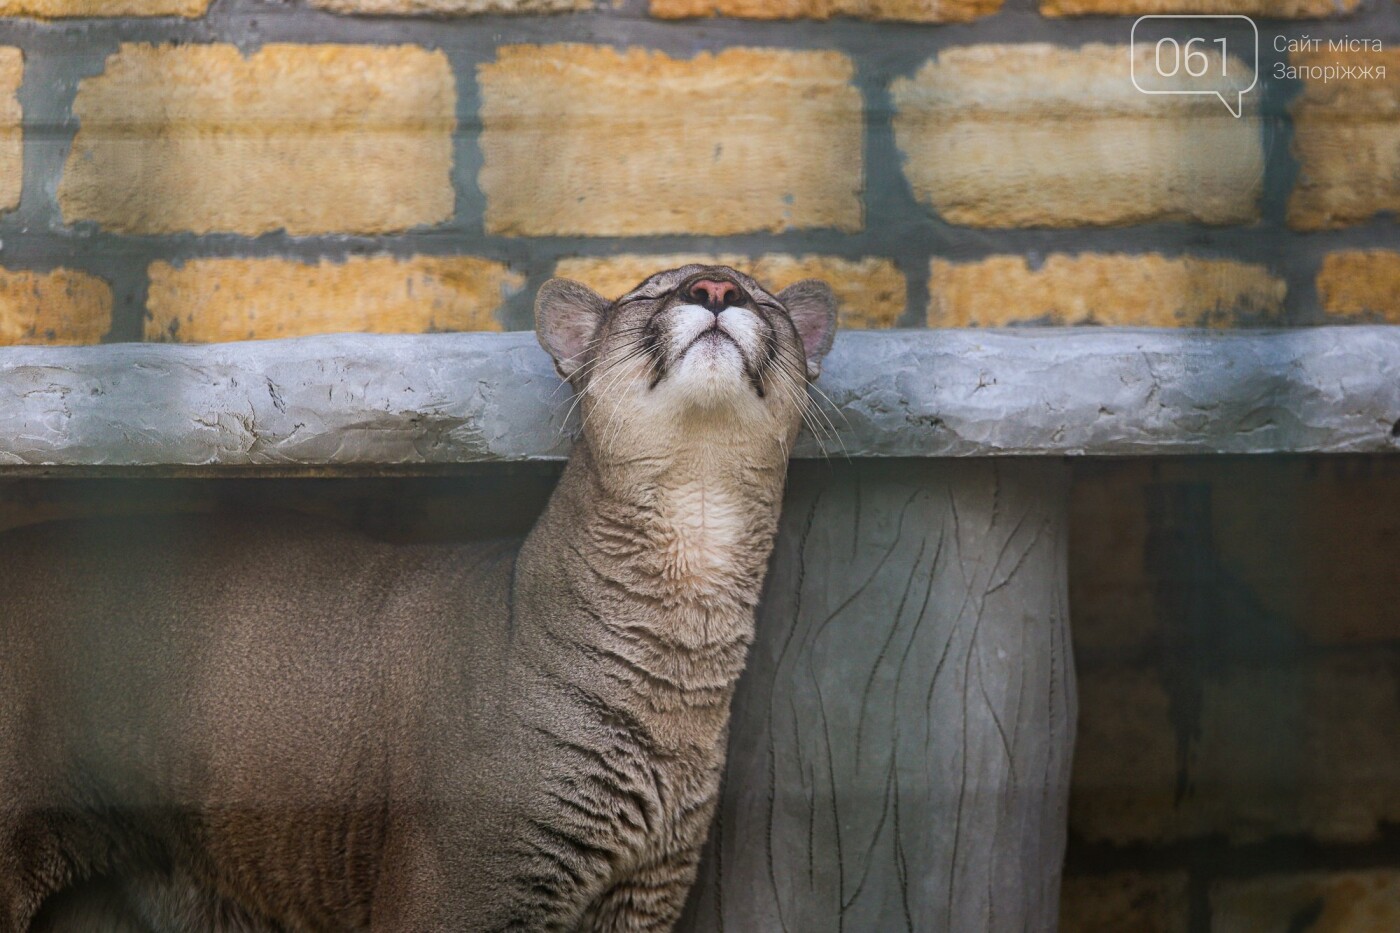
{"points": [[258, 724]]}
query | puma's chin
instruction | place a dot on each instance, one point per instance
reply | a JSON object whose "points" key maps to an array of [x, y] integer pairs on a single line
{"points": [[712, 372], [711, 355]]}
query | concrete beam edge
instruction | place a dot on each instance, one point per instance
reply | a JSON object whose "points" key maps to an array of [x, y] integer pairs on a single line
{"points": [[401, 401]]}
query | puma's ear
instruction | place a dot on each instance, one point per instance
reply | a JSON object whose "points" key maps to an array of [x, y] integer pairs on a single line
{"points": [[567, 317], [812, 306]]}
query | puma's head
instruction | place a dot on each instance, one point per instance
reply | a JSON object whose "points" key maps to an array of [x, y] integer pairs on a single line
{"points": [[687, 354]]}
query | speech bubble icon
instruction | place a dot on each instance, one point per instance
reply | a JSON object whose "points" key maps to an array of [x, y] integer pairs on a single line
{"points": [[1189, 54]]}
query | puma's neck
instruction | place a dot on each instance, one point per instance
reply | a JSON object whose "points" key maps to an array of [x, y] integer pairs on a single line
{"points": [[658, 568], [691, 535]]}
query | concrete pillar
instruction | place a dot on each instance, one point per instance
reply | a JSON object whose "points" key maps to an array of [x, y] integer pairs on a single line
{"points": [[901, 740]]}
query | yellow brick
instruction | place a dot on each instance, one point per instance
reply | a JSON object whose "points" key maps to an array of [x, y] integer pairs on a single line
{"points": [[1272, 9], [1119, 290], [1113, 596], [58, 307], [1301, 749], [1343, 582], [306, 138], [1361, 284], [1351, 749], [1292, 749], [586, 140], [1343, 902], [1039, 135], [209, 300], [912, 11], [57, 9], [1125, 758], [870, 291], [450, 7], [1125, 901], [1247, 768], [11, 136], [1346, 137], [1324, 566]]}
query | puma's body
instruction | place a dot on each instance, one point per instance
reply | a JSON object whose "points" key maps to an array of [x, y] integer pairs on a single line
{"points": [[295, 758], [236, 695], [278, 724]]}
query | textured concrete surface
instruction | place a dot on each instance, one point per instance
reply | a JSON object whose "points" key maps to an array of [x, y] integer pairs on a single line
{"points": [[402, 401], [900, 742]]}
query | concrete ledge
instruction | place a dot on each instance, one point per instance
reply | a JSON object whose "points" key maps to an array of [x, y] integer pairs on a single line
{"points": [[402, 403]]}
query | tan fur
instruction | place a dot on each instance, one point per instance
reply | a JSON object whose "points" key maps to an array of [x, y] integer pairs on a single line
{"points": [[261, 724]]}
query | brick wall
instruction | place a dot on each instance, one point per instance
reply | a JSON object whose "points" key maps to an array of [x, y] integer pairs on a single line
{"points": [[201, 170], [208, 170], [1237, 630]]}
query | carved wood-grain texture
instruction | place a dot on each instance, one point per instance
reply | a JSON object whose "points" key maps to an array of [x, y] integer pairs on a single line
{"points": [[901, 739]]}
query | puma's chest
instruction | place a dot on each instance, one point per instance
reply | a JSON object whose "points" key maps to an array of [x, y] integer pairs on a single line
{"points": [[702, 536]]}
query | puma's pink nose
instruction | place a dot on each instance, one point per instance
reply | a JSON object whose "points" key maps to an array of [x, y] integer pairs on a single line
{"points": [[715, 296]]}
